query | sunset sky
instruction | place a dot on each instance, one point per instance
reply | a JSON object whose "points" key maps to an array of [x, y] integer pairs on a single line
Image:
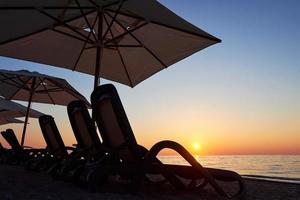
{"points": [[241, 96]]}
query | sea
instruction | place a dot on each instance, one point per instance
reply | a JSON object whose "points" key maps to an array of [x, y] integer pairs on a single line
{"points": [[279, 168]]}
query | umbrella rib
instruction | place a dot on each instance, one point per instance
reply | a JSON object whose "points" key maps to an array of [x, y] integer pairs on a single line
{"points": [[105, 6], [124, 45], [19, 78], [113, 19], [112, 3], [49, 90], [12, 83], [46, 7], [86, 20], [78, 58], [83, 47], [21, 87], [25, 87], [123, 34], [38, 31], [70, 35], [36, 85], [74, 18], [130, 33], [59, 85], [125, 68], [41, 82], [70, 91], [13, 79], [169, 26], [94, 3], [121, 57], [65, 24], [62, 14]]}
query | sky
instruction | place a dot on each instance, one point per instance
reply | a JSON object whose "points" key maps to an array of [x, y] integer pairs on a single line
{"points": [[240, 96]]}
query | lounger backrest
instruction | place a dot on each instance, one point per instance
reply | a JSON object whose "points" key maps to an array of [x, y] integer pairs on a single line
{"points": [[52, 137], [10, 136], [1, 147], [113, 124], [84, 128], [2, 132]]}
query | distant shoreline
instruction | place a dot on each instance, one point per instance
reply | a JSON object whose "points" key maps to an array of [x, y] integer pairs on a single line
{"points": [[235, 155], [274, 168], [273, 179]]}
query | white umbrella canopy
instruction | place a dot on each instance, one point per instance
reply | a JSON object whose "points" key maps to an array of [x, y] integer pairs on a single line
{"points": [[121, 40], [18, 85], [4, 121], [10, 110], [35, 87]]}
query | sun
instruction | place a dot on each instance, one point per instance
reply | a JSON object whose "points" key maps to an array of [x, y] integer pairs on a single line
{"points": [[196, 146]]}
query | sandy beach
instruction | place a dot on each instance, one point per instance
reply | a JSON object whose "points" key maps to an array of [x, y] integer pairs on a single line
{"points": [[17, 183]]}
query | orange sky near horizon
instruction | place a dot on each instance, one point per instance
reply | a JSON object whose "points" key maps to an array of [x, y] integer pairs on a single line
{"points": [[214, 136]]}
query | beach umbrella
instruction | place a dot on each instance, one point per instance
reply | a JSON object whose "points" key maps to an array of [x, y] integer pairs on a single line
{"points": [[35, 87], [121, 40], [9, 121], [10, 110]]}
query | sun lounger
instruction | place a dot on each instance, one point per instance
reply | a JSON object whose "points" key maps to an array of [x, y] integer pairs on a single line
{"points": [[18, 154], [96, 152], [87, 141], [58, 158], [2, 149], [84, 129], [68, 166], [55, 150], [134, 161], [2, 154]]}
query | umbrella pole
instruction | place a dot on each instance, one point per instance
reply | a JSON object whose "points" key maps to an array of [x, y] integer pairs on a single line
{"points": [[27, 112], [99, 49]]}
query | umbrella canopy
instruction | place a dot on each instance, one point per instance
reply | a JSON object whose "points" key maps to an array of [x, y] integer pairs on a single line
{"points": [[33, 86], [10, 110], [8, 121], [121, 40]]}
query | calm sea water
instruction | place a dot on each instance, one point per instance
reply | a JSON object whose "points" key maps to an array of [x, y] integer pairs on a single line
{"points": [[285, 168]]}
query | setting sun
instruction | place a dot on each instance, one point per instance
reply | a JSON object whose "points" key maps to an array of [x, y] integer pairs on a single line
{"points": [[196, 146]]}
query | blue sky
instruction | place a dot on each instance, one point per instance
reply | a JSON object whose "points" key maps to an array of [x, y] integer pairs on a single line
{"points": [[251, 78]]}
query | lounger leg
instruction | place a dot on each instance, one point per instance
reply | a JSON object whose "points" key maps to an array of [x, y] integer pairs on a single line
{"points": [[171, 177]]}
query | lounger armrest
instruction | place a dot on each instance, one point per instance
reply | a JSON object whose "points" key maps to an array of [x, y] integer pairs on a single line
{"points": [[153, 152], [142, 150]]}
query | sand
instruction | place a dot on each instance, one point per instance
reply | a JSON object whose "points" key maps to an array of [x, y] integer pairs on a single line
{"points": [[16, 183]]}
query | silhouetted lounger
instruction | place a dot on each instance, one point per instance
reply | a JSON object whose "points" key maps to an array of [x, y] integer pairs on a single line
{"points": [[2, 154], [60, 160], [55, 150], [133, 162], [18, 154], [68, 166], [87, 140], [2, 149]]}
